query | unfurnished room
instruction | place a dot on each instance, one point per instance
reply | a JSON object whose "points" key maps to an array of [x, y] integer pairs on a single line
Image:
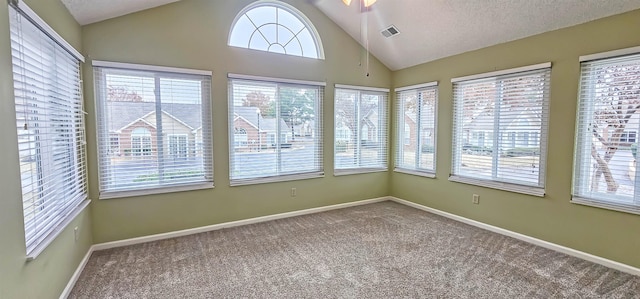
{"points": [[319, 149]]}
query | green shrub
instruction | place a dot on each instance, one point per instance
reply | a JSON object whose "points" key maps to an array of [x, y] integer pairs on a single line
{"points": [[634, 150], [521, 152], [427, 148]]}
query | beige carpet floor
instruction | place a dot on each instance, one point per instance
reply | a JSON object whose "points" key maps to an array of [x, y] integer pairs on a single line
{"points": [[382, 250]]}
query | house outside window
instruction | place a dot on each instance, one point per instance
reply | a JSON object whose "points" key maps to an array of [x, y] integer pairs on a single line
{"points": [[240, 139], [161, 118], [494, 115]]}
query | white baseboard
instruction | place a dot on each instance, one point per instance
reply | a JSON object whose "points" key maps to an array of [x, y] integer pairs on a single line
{"points": [[191, 231], [76, 275], [566, 250]]}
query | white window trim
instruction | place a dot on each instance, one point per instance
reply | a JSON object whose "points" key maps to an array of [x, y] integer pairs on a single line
{"points": [[610, 54], [274, 79], [606, 205], [505, 185], [350, 171], [285, 176], [529, 190], [152, 68], [429, 173], [20, 5], [167, 188], [426, 173], [156, 190], [66, 216], [362, 88], [275, 179], [610, 202]]}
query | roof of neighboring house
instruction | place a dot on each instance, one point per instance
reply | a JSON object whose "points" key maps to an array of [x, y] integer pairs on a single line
{"points": [[250, 114], [121, 114], [427, 116], [511, 118]]}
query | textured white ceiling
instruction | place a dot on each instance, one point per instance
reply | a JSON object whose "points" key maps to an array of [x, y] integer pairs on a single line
{"points": [[433, 29], [430, 29], [91, 11]]}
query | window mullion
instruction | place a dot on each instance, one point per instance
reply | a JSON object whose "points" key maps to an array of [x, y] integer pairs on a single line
{"points": [[497, 106], [418, 129], [358, 129], [159, 132], [278, 129]]}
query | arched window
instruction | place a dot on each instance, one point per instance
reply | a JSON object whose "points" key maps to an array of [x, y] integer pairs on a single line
{"points": [[277, 27]]}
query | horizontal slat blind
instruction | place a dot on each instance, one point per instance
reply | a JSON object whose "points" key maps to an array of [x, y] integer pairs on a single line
{"points": [[607, 133], [275, 130], [500, 129], [360, 130], [50, 127], [154, 130], [416, 129]]}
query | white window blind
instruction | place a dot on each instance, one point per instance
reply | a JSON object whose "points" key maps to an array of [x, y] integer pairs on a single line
{"points": [[50, 127], [154, 129], [360, 143], [500, 128], [416, 108], [275, 129], [608, 123]]}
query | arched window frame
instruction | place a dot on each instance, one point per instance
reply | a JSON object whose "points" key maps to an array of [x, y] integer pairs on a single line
{"points": [[287, 7]]}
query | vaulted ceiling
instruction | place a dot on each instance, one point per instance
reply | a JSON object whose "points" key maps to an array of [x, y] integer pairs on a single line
{"points": [[429, 29]]}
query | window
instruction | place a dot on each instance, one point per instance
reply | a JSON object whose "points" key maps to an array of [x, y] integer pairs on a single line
{"points": [[608, 118], [281, 122], [494, 115], [178, 145], [416, 110], [361, 126], [50, 127], [277, 27], [162, 119], [140, 142]]}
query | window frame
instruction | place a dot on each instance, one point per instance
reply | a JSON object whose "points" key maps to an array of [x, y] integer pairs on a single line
{"points": [[293, 11], [206, 130], [265, 137], [383, 111], [416, 170], [58, 209], [611, 202], [505, 184]]}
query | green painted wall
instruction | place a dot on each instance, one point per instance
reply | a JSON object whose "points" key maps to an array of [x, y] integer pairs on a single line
{"points": [[193, 34], [46, 276], [609, 234]]}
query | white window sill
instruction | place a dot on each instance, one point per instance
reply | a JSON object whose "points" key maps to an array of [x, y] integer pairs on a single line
{"points": [[351, 171], [157, 190], [425, 174], [56, 232], [522, 189], [620, 207], [275, 179]]}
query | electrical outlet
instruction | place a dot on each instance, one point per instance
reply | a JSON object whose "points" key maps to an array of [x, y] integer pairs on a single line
{"points": [[294, 192], [76, 233], [476, 199]]}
